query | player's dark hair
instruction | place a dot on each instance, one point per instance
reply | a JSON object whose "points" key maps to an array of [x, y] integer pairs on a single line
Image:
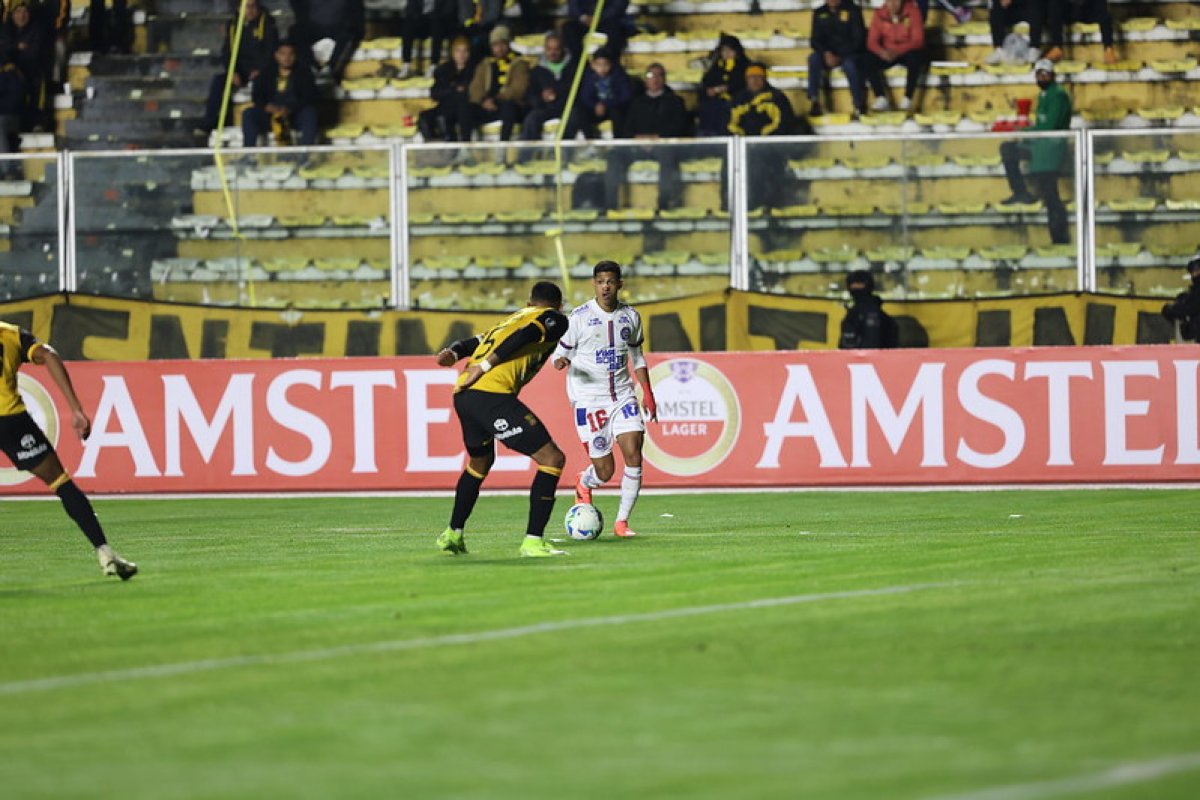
{"points": [[607, 266], [546, 292]]}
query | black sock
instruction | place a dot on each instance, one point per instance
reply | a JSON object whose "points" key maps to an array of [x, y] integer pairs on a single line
{"points": [[465, 495], [541, 499], [80, 510]]}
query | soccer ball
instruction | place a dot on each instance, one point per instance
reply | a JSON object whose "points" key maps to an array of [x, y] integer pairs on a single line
{"points": [[584, 521]]}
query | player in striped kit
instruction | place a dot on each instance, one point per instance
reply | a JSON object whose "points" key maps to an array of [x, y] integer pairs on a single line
{"points": [[602, 347]]}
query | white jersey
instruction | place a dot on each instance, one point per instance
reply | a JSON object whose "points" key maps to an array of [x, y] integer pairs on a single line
{"points": [[600, 347]]}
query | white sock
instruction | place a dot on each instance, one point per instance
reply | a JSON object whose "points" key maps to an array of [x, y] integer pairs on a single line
{"points": [[631, 485], [590, 479]]}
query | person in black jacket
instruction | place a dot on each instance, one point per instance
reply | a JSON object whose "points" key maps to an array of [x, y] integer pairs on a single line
{"points": [[27, 45], [256, 51], [549, 85], [1185, 309], [866, 325], [724, 80], [452, 119], [762, 110], [839, 39], [12, 103], [657, 113], [343, 21], [109, 33], [614, 23], [284, 98]]}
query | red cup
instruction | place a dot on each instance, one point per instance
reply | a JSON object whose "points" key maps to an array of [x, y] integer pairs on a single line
{"points": [[1024, 105]]}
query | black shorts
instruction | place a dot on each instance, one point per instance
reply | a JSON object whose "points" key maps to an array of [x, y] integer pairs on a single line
{"points": [[23, 441], [486, 416]]}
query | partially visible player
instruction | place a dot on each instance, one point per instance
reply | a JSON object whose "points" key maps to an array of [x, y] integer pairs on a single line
{"points": [[501, 362], [604, 338], [28, 448]]}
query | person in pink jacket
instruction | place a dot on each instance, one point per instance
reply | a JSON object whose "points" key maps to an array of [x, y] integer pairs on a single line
{"points": [[896, 36]]}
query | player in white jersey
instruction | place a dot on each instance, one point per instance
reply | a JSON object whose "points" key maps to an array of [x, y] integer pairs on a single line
{"points": [[602, 346]]}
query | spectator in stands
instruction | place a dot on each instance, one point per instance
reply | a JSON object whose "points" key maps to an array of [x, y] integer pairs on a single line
{"points": [[839, 39], [1045, 155], [284, 99], [724, 80], [109, 33], [614, 23], [343, 21], [1185, 309], [12, 104], [256, 52], [549, 85], [480, 19], [604, 94], [26, 43], [897, 36], [866, 325], [657, 113], [1009, 47], [762, 110], [435, 20], [452, 118], [961, 15], [499, 85], [1060, 12]]}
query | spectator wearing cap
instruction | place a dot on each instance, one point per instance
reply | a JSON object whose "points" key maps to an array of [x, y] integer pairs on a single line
{"points": [[614, 24], [655, 114], [762, 110], [256, 52], [284, 99], [604, 94], [342, 21], [897, 36], [452, 119], [724, 80], [1045, 155], [839, 39], [549, 85], [499, 85]]}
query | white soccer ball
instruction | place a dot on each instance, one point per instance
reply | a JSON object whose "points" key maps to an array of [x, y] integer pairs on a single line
{"points": [[584, 521]]}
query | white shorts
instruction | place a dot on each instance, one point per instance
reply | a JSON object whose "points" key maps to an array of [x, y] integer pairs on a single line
{"points": [[601, 422]]}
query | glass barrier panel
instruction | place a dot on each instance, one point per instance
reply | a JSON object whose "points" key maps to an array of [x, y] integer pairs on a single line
{"points": [[482, 220], [929, 216], [30, 219], [1147, 210], [265, 228]]}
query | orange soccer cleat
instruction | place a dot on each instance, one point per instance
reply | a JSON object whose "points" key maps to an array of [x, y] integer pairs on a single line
{"points": [[582, 493], [621, 530]]}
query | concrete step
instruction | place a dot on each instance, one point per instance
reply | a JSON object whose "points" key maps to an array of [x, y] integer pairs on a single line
{"points": [[157, 88], [155, 65], [102, 108]]}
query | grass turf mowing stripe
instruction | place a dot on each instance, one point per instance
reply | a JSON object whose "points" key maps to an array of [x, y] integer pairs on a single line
{"points": [[1119, 775], [449, 640]]}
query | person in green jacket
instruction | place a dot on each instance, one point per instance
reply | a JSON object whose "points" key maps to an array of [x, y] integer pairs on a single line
{"points": [[1045, 155]]}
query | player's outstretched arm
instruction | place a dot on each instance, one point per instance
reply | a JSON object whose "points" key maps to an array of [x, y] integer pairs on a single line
{"points": [[449, 356], [46, 356]]}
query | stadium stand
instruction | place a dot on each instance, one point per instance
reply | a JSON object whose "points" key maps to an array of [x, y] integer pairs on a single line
{"points": [[937, 230]]}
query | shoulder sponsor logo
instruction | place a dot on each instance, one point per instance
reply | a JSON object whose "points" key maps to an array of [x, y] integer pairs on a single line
{"points": [[699, 416], [40, 406]]}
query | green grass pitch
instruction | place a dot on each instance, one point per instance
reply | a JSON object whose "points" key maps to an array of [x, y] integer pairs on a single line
{"points": [[1027, 637]]}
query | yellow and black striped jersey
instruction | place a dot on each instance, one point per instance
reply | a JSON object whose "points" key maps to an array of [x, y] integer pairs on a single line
{"points": [[16, 348], [518, 368]]}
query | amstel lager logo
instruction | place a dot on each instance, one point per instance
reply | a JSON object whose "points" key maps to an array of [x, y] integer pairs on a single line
{"points": [[699, 417], [40, 406]]}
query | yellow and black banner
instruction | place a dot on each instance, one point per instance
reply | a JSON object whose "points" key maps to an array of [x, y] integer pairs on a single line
{"points": [[106, 329]]}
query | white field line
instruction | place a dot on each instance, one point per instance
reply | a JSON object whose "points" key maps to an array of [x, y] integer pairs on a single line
{"points": [[433, 642], [396, 494], [1120, 775]]}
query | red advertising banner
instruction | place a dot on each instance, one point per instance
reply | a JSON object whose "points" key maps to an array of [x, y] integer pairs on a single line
{"points": [[906, 417]]}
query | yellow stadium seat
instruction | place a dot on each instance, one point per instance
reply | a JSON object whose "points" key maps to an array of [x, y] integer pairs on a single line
{"points": [[961, 208], [416, 82], [827, 120], [394, 131], [386, 43], [372, 172], [1085, 28], [1104, 114], [1006, 69], [472, 218], [849, 210], [368, 84], [1171, 251], [499, 262], [644, 166], [884, 118], [1104, 158], [1161, 114], [322, 172], [581, 215], [420, 218], [890, 253], [946, 253], [293, 264], [448, 262], [701, 35], [973, 28], [858, 163], [1142, 204], [540, 167], [812, 163], [667, 258], [782, 256], [1190, 155], [689, 75], [337, 264], [1183, 205], [714, 259], [1138, 24], [1121, 249], [916, 209], [686, 212], [1125, 65], [699, 166], [1169, 66], [1056, 251], [950, 118], [1019, 208], [834, 255], [1185, 24], [347, 131], [302, 221], [988, 160], [1155, 156], [1005, 252], [639, 214], [1070, 67], [520, 215], [482, 168], [585, 166], [431, 172], [925, 160], [789, 212], [357, 221]]}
